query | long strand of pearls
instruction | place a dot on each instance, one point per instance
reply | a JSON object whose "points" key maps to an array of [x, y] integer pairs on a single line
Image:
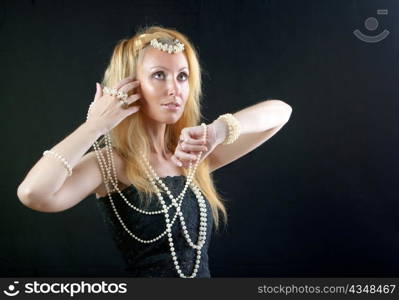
{"points": [[156, 178], [106, 173], [107, 168], [203, 218], [189, 180], [171, 244]]}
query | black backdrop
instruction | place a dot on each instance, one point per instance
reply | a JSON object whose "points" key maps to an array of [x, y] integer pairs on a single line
{"points": [[319, 198]]}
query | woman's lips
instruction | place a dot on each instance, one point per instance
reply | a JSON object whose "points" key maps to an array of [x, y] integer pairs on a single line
{"points": [[171, 106]]}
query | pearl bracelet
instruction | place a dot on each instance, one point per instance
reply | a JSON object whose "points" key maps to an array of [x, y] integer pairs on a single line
{"points": [[234, 128], [60, 157]]}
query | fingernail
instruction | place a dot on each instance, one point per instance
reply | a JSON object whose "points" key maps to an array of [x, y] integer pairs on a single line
{"points": [[180, 164]]}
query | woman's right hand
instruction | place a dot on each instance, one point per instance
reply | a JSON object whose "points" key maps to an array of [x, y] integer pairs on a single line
{"points": [[106, 111]]}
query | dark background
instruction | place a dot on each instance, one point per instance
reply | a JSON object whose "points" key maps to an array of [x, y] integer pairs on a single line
{"points": [[319, 199]]}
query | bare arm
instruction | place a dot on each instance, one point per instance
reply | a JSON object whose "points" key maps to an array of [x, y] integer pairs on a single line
{"points": [[259, 123], [49, 173]]}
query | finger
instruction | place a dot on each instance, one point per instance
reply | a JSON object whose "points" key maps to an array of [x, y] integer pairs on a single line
{"points": [[98, 91], [197, 132], [184, 156], [132, 109], [176, 161], [123, 82], [183, 164], [189, 147], [196, 153], [133, 98], [190, 140], [129, 86]]}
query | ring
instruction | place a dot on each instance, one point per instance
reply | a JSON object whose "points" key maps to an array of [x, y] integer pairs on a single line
{"points": [[121, 95], [112, 92], [115, 92], [124, 103]]}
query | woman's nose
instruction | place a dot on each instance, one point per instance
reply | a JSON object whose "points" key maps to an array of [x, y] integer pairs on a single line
{"points": [[173, 87]]}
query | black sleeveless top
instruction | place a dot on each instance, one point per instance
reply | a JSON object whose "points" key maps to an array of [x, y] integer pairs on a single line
{"points": [[154, 259]]}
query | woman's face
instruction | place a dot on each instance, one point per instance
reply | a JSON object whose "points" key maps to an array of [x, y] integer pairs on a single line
{"points": [[163, 78]]}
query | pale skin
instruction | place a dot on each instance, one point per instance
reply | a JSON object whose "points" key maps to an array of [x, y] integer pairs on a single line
{"points": [[163, 77]]}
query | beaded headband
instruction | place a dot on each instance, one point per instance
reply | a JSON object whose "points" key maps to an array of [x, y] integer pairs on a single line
{"points": [[175, 48]]}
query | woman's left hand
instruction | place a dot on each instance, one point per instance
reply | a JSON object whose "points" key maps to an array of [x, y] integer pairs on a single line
{"points": [[191, 143]]}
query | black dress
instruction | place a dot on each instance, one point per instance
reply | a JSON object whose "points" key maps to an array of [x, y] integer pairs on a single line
{"points": [[154, 259]]}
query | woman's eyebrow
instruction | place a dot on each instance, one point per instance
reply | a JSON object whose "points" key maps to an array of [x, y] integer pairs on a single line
{"points": [[167, 68]]}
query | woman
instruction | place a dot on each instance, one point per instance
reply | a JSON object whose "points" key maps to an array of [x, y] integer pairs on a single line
{"points": [[156, 162]]}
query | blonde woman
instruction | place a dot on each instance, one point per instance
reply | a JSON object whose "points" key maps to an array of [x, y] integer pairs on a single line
{"points": [[152, 170]]}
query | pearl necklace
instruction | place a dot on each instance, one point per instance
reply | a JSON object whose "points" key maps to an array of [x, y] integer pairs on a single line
{"points": [[174, 202], [201, 234]]}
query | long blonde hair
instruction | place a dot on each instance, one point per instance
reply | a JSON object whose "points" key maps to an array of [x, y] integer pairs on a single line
{"points": [[129, 137]]}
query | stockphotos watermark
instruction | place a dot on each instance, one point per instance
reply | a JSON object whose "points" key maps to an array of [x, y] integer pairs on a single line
{"points": [[71, 289]]}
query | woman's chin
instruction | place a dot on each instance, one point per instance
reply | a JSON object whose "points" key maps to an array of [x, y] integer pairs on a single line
{"points": [[169, 118], [172, 120]]}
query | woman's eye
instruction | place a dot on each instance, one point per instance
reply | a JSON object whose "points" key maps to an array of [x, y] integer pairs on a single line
{"points": [[155, 75], [184, 77]]}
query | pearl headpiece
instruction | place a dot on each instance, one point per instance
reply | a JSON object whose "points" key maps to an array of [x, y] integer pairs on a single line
{"points": [[175, 48]]}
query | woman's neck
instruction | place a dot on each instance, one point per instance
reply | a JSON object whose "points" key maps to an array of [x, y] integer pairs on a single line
{"points": [[156, 132]]}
